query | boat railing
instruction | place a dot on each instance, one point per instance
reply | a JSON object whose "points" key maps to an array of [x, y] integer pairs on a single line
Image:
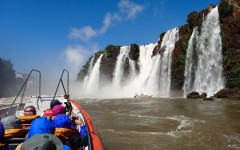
{"points": [[23, 89], [66, 93]]}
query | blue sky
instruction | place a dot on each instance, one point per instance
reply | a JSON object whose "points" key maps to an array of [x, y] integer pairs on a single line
{"points": [[51, 35]]}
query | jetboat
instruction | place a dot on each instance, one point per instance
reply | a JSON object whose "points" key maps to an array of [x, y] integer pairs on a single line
{"points": [[42, 105]]}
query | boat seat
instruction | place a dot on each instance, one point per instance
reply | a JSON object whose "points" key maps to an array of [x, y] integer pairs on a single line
{"points": [[15, 141], [26, 120], [64, 134], [15, 133]]}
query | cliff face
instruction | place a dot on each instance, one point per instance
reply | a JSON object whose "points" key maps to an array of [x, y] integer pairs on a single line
{"points": [[230, 33], [8, 81], [229, 12], [108, 61]]}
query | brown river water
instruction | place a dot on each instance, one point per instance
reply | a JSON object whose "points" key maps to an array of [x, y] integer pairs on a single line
{"points": [[166, 124]]}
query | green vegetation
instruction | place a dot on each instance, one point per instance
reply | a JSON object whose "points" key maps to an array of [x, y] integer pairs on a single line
{"points": [[109, 50], [233, 82], [186, 38], [178, 66], [84, 71], [225, 7], [191, 18]]}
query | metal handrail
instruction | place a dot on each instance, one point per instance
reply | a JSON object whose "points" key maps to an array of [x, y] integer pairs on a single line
{"points": [[61, 81], [24, 88]]}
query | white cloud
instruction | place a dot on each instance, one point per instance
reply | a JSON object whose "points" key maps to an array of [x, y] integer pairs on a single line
{"points": [[127, 10], [109, 17], [84, 33], [76, 56], [130, 8]]}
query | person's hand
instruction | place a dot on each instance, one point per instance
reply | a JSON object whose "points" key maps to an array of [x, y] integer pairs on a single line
{"points": [[79, 121]]}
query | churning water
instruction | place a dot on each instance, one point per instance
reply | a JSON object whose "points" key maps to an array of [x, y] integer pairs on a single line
{"points": [[169, 124]]}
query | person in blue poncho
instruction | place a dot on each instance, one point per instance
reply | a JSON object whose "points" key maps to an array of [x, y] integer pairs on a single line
{"points": [[3, 145], [41, 133], [80, 137]]}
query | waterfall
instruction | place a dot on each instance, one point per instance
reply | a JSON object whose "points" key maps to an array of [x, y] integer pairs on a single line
{"points": [[118, 72], [167, 45], [132, 69], [154, 77], [145, 62], [189, 63], [208, 76], [90, 67], [93, 82], [152, 84]]}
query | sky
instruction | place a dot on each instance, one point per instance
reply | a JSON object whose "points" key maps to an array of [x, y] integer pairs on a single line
{"points": [[52, 35]]}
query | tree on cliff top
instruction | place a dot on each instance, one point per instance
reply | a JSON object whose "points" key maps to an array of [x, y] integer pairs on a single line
{"points": [[192, 16], [225, 8], [7, 79]]}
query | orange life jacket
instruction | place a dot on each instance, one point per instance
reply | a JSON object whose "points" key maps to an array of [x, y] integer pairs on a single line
{"points": [[64, 134]]}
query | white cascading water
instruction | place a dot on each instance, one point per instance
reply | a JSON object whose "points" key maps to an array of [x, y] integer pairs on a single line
{"points": [[154, 77], [132, 69], [118, 72], [208, 77], [152, 83], [189, 63], [90, 68], [145, 62], [93, 82], [169, 40]]}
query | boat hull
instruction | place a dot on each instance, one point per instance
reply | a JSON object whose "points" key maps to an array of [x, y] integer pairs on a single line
{"points": [[94, 135]]}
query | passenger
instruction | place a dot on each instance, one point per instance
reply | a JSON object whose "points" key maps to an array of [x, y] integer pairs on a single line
{"points": [[68, 107], [54, 102], [29, 111], [1, 133], [11, 122], [43, 142], [40, 126], [76, 141], [12, 128], [62, 121], [58, 109], [2, 145]]}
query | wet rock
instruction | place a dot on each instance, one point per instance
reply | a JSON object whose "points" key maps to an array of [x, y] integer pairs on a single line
{"points": [[194, 95], [223, 93], [204, 95]]}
